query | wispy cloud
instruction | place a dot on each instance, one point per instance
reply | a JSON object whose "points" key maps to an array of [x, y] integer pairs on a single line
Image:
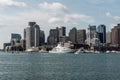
{"points": [[11, 3], [117, 18], [55, 6], [48, 14], [59, 13]]}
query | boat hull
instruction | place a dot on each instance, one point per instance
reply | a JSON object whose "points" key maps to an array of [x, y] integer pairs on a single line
{"points": [[61, 52]]}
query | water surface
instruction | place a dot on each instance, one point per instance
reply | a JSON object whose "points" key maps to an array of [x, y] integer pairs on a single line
{"points": [[38, 66]]}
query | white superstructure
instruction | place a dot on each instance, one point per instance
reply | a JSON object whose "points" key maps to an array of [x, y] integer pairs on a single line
{"points": [[61, 49]]}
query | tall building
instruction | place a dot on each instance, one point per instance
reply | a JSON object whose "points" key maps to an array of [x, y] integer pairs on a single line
{"points": [[81, 36], [101, 29], [57, 35], [28, 38], [73, 35], [53, 37], [42, 38], [91, 33], [115, 33], [32, 34], [36, 35], [61, 33], [108, 37]]}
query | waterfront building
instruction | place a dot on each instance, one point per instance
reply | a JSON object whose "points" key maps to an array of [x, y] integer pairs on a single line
{"points": [[57, 35], [95, 41], [28, 38], [81, 36], [91, 33], [108, 37], [36, 35], [53, 37], [115, 33], [41, 38], [101, 29], [15, 38], [32, 35], [61, 32], [73, 35]]}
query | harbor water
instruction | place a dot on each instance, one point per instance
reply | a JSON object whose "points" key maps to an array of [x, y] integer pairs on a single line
{"points": [[44, 66]]}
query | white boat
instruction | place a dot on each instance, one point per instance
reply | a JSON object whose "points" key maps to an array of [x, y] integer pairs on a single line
{"points": [[43, 51], [81, 50], [30, 50], [60, 49]]}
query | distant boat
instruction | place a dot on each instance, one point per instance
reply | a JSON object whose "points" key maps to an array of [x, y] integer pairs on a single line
{"points": [[30, 50], [61, 50], [81, 50], [43, 51]]}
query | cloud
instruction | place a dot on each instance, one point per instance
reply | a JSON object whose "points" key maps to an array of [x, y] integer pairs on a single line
{"points": [[117, 18], [54, 20], [11, 3], [55, 6], [79, 17], [48, 14], [59, 13]]}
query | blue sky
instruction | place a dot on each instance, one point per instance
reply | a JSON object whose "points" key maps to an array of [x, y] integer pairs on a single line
{"points": [[15, 15]]}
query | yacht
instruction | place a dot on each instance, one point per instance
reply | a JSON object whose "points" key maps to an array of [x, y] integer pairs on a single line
{"points": [[60, 49]]}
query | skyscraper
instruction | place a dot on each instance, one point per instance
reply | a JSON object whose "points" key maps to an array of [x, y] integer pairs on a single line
{"points": [[108, 37], [42, 38], [101, 29], [81, 36], [36, 35], [53, 37], [32, 34], [56, 35], [61, 33], [115, 33], [28, 38], [73, 35], [91, 33]]}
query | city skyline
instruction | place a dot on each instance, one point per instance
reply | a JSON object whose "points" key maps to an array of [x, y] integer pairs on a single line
{"points": [[15, 14]]}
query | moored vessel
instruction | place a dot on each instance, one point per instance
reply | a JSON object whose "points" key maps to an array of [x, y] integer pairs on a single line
{"points": [[61, 49]]}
